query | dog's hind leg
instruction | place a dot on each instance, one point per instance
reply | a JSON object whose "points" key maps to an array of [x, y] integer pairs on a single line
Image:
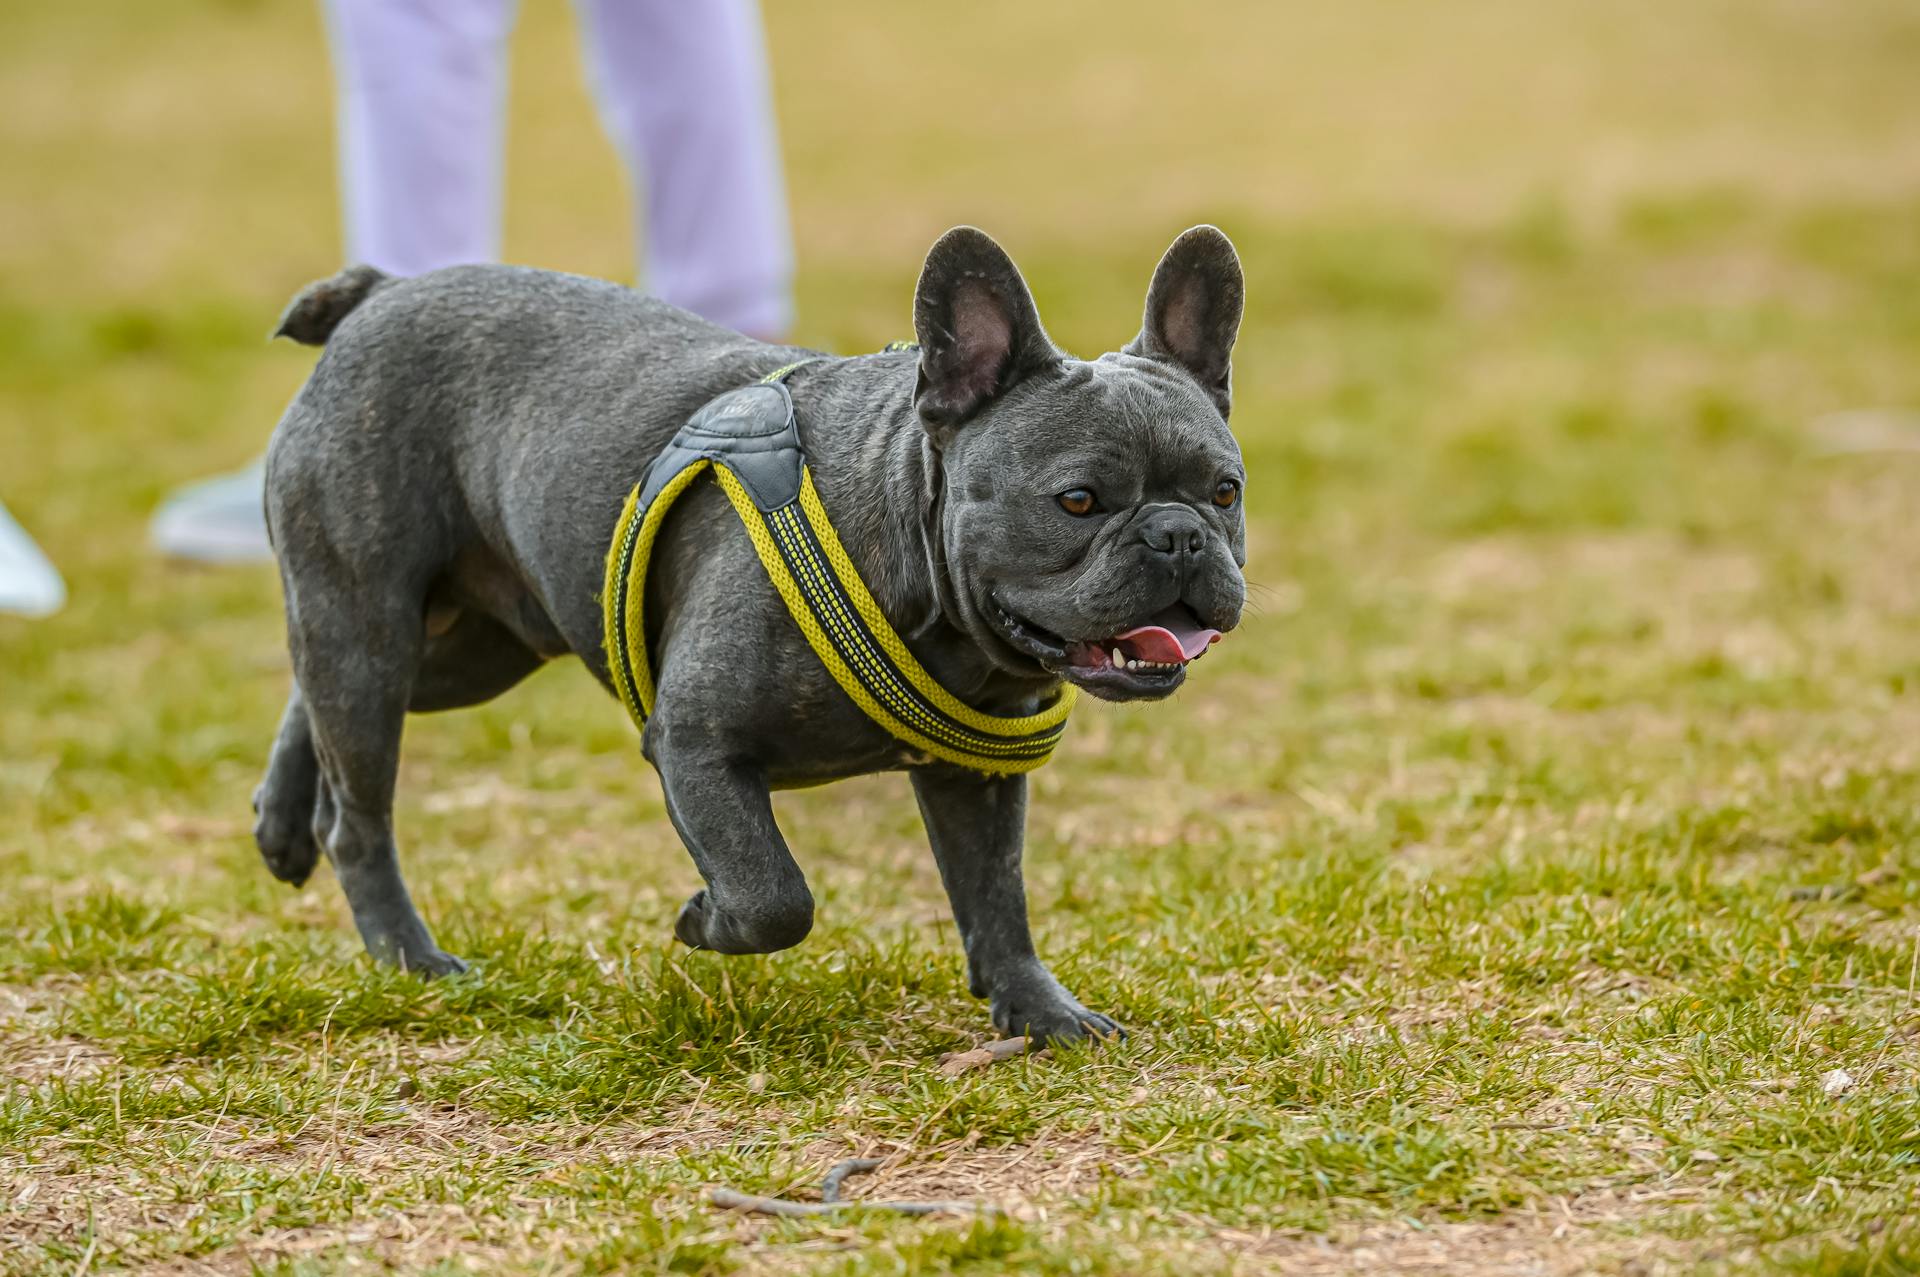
{"points": [[356, 659], [283, 804]]}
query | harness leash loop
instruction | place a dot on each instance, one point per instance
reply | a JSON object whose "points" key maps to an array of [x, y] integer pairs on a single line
{"points": [[784, 371], [749, 439]]}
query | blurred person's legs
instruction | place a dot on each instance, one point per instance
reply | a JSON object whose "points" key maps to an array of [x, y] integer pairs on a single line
{"points": [[421, 85], [217, 520], [29, 585], [683, 91]]}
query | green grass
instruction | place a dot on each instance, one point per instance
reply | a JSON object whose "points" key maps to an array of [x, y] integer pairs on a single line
{"points": [[1505, 896]]}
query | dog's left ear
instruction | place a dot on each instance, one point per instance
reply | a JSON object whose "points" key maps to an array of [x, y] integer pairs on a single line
{"points": [[978, 329], [1193, 311]]}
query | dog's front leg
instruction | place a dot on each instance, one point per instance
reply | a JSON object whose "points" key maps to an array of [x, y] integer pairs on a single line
{"points": [[756, 899], [977, 825]]}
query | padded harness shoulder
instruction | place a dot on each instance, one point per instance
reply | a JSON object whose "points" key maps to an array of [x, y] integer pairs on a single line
{"points": [[752, 432], [749, 440]]}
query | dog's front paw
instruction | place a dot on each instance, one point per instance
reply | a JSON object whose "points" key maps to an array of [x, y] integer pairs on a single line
{"points": [[690, 928], [411, 949], [436, 962], [285, 838], [1035, 1005], [778, 922]]}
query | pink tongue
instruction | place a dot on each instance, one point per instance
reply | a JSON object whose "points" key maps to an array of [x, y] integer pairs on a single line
{"points": [[1173, 640]]}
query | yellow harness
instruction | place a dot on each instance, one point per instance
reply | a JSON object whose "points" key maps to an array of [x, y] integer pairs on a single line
{"points": [[749, 440]]}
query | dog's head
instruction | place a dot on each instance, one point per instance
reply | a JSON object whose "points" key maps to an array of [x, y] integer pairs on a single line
{"points": [[1089, 512]]}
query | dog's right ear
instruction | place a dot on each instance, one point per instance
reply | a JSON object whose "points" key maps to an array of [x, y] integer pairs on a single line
{"points": [[978, 329]]}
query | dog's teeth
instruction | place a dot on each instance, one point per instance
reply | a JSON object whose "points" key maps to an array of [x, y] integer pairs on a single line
{"points": [[1119, 661]]}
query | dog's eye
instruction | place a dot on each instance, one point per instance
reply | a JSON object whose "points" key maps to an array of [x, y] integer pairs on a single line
{"points": [[1226, 494], [1076, 501]]}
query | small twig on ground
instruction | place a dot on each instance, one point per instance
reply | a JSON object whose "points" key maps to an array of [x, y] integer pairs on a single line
{"points": [[831, 1202], [830, 1186], [732, 1200], [954, 1063], [1830, 891]]}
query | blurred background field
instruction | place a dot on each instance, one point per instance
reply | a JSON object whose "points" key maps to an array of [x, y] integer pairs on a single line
{"points": [[1510, 894]]}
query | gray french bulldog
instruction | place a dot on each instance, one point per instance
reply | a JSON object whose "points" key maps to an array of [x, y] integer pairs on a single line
{"points": [[442, 490]]}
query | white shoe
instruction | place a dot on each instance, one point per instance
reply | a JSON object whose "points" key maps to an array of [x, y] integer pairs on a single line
{"points": [[217, 520], [29, 584]]}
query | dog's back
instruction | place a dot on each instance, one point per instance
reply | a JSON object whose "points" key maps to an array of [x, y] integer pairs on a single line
{"points": [[480, 413]]}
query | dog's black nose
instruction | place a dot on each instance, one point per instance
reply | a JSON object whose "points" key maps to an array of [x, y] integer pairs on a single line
{"points": [[1173, 529]]}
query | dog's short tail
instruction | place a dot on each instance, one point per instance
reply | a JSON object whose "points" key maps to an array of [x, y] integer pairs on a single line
{"points": [[319, 307]]}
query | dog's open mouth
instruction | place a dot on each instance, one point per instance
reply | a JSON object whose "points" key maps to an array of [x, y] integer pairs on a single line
{"points": [[1144, 661], [1168, 642]]}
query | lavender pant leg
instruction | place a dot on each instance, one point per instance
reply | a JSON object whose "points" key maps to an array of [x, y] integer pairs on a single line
{"points": [[684, 90], [421, 86]]}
